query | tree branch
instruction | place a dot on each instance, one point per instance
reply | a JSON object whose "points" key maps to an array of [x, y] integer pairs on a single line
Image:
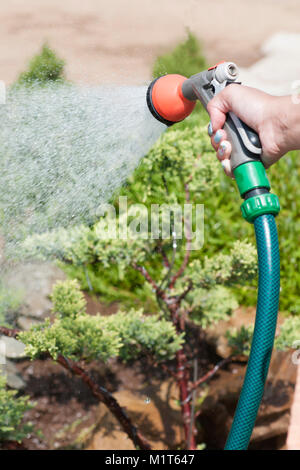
{"points": [[163, 254], [185, 292], [99, 392], [212, 372], [151, 281], [108, 399], [12, 333]]}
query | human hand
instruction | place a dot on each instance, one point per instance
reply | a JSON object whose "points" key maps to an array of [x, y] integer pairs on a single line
{"points": [[275, 119]]}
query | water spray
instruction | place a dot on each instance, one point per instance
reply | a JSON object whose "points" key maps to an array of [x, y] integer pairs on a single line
{"points": [[64, 151], [171, 98]]}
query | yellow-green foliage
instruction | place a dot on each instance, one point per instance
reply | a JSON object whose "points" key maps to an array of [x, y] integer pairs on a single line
{"points": [[208, 306], [289, 334], [77, 335], [12, 409], [238, 266]]}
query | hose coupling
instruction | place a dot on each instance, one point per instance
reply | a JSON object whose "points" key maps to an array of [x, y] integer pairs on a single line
{"points": [[254, 188]]}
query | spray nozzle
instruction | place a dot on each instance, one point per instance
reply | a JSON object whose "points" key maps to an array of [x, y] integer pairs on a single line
{"points": [[166, 101], [172, 98]]}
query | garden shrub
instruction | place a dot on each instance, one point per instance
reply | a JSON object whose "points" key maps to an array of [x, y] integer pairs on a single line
{"points": [[79, 336], [43, 67], [12, 409]]}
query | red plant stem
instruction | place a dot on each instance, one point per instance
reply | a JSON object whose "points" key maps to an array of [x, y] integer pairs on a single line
{"points": [[185, 398], [99, 392], [151, 281], [12, 333], [183, 379], [181, 296]]}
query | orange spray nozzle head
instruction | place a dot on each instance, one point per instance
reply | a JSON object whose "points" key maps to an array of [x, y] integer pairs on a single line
{"points": [[166, 100]]}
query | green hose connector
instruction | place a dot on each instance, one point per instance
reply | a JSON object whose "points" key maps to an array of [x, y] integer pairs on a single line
{"points": [[249, 176], [259, 205]]}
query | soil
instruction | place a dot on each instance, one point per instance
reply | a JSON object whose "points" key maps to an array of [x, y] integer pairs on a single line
{"points": [[65, 409], [116, 41]]}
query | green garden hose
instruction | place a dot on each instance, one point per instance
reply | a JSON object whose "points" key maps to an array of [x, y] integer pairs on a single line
{"points": [[264, 332]]}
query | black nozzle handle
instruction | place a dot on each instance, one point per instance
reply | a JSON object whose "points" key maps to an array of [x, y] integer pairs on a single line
{"points": [[245, 142]]}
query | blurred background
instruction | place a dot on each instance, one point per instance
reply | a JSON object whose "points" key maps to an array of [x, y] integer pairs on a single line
{"points": [[104, 41]]}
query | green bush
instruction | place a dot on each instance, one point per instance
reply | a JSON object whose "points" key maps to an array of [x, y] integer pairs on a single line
{"points": [[289, 334], [12, 409], [43, 67], [80, 336], [186, 59], [289, 337]]}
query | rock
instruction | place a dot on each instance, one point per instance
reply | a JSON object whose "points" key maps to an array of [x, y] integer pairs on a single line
{"points": [[155, 412], [35, 282], [13, 377], [25, 323], [273, 418], [274, 414], [12, 348]]}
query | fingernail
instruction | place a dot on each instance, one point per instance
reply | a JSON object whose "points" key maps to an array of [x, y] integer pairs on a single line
{"points": [[217, 137], [210, 129], [222, 148], [226, 165]]}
